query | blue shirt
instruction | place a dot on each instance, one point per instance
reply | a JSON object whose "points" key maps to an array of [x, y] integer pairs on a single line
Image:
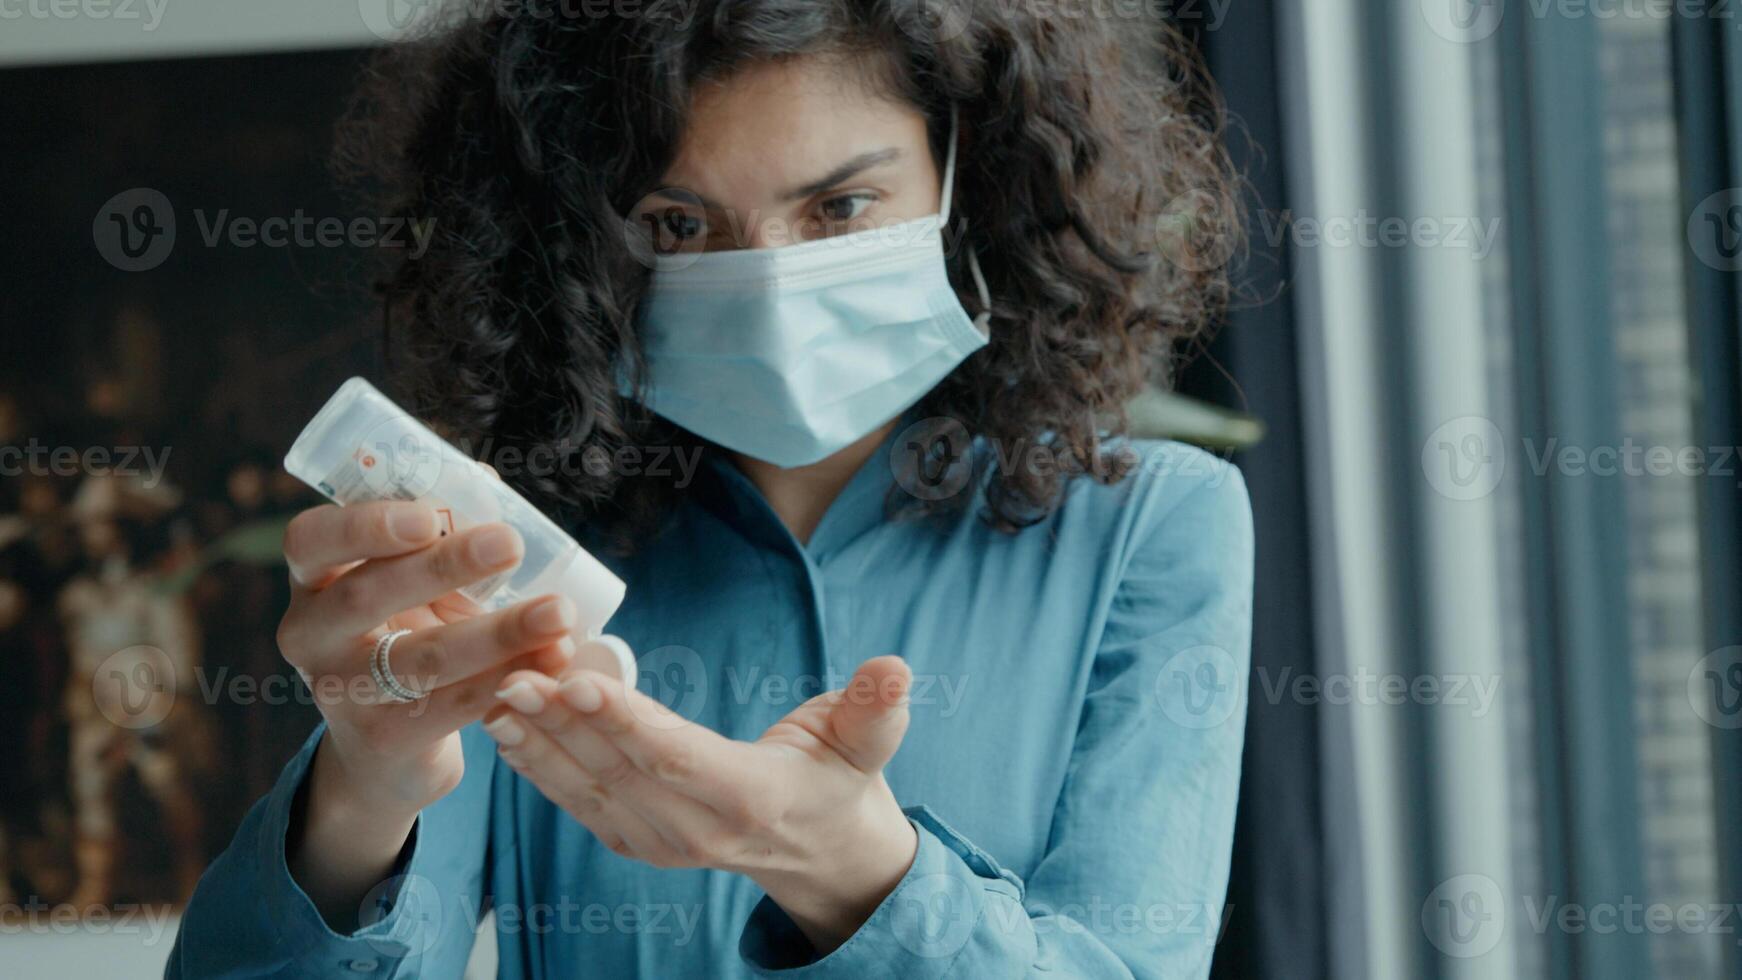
{"points": [[1071, 765]]}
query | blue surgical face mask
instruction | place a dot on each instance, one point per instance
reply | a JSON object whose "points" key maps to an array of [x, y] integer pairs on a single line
{"points": [[791, 354]]}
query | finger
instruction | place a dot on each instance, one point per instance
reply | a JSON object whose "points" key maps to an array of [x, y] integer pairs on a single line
{"points": [[307, 643], [871, 717], [366, 596], [452, 707], [453, 607], [430, 658], [323, 541], [415, 618], [535, 755], [684, 822], [690, 758], [534, 697]]}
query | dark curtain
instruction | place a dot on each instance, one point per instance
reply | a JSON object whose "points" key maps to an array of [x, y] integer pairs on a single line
{"points": [[1277, 925]]}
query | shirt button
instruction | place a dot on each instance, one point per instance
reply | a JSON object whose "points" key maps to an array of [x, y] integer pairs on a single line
{"points": [[364, 966]]}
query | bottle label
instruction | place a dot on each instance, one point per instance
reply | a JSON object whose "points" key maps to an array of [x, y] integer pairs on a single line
{"points": [[400, 465]]}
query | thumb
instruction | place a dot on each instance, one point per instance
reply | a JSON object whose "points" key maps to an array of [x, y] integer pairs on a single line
{"points": [[870, 718]]}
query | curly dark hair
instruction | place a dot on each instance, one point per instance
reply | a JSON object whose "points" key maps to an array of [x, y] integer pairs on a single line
{"points": [[1095, 188]]}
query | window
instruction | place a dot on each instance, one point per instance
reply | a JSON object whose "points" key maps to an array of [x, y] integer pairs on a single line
{"points": [[1601, 556]]}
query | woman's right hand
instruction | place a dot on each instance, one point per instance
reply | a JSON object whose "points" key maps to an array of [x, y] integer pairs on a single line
{"points": [[356, 573]]}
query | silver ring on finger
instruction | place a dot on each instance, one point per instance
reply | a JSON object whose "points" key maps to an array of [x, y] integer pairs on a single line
{"points": [[381, 671]]}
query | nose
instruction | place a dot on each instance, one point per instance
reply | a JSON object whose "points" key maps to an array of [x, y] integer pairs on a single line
{"points": [[760, 229], [759, 237]]}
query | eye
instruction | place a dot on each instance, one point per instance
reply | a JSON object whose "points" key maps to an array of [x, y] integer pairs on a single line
{"points": [[845, 207]]}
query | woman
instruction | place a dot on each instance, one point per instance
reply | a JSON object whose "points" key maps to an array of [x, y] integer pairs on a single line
{"points": [[938, 675]]}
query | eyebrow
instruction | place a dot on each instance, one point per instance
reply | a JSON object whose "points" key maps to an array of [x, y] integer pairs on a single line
{"points": [[859, 164], [862, 162]]}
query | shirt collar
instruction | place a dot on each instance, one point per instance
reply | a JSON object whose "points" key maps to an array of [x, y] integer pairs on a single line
{"points": [[860, 506]]}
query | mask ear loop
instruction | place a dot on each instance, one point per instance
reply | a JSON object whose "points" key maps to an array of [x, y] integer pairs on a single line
{"points": [[984, 320]]}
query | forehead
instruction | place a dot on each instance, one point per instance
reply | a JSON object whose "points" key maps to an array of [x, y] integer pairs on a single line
{"points": [[777, 124]]}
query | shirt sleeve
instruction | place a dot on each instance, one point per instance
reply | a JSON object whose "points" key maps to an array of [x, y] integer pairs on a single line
{"points": [[249, 918], [1136, 870]]}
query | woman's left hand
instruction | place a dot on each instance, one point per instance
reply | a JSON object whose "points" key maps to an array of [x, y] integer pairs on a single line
{"points": [[803, 811]]}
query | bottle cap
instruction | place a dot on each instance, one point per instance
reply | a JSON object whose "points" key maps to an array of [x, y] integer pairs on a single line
{"points": [[607, 655], [594, 590]]}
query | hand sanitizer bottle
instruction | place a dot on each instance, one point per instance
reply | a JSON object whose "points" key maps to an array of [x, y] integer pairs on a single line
{"points": [[361, 446]]}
